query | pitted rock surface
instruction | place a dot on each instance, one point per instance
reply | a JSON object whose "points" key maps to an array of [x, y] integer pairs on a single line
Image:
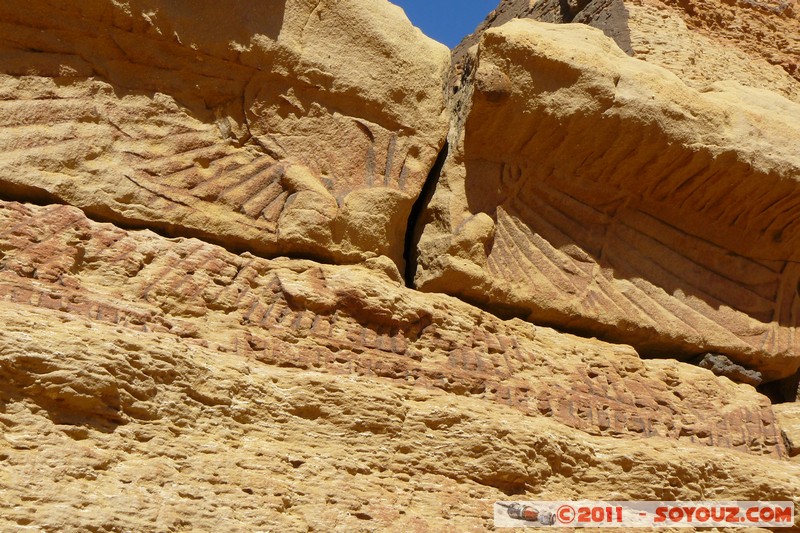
{"points": [[290, 266]]}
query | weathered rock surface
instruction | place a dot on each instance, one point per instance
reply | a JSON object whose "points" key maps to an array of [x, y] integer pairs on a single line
{"points": [[155, 384], [756, 43], [202, 383], [789, 416], [598, 193], [300, 127], [356, 320]]}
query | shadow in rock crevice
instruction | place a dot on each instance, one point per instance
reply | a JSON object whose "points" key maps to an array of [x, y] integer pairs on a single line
{"points": [[420, 217]]}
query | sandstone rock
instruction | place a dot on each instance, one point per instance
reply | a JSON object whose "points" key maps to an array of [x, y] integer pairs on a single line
{"points": [[789, 416], [754, 44], [152, 384], [162, 369], [611, 199], [702, 41], [352, 320], [270, 129]]}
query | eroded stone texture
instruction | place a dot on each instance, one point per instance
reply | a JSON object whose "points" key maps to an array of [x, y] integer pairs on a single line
{"points": [[150, 383], [599, 193], [157, 384], [755, 43], [353, 320], [298, 127], [789, 415]]}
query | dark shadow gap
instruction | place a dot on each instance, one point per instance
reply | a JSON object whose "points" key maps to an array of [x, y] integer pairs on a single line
{"points": [[415, 223], [786, 390], [28, 194]]}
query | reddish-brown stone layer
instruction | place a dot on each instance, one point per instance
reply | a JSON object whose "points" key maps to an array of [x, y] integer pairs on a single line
{"points": [[340, 320]]}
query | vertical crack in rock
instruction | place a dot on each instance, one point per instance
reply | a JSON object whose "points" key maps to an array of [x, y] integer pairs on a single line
{"points": [[416, 222]]}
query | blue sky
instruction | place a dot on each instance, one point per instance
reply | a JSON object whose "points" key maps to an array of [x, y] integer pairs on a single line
{"points": [[447, 21]]}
